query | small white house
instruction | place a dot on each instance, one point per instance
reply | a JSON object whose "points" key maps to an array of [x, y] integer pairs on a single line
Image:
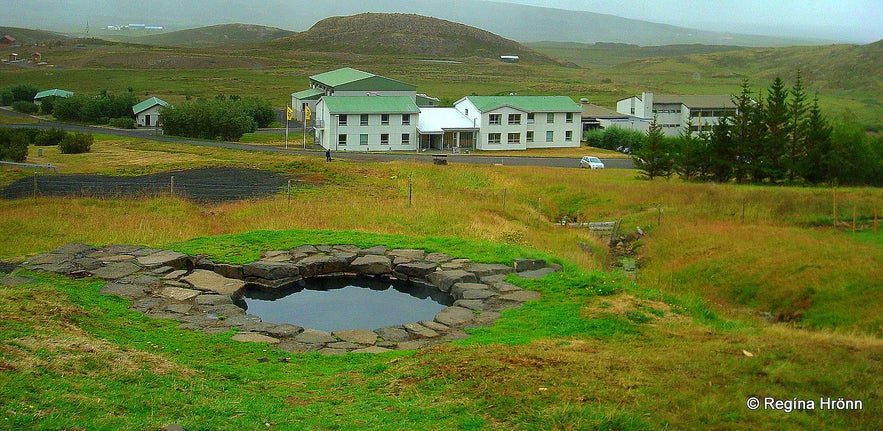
{"points": [[147, 112], [367, 123]]}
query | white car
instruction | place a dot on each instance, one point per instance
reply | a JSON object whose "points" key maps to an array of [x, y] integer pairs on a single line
{"points": [[591, 162]]}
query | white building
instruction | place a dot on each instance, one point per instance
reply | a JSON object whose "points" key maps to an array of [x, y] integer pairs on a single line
{"points": [[374, 123], [673, 112], [147, 112], [347, 82], [522, 122]]}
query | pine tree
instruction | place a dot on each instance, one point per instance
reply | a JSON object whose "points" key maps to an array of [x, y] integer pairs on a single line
{"points": [[797, 129], [747, 142], [691, 159], [815, 167], [722, 158], [655, 158], [776, 121]]}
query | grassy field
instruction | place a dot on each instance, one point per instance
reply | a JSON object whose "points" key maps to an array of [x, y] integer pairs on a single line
{"points": [[741, 291]]}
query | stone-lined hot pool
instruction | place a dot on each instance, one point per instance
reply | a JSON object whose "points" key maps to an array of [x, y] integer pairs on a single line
{"points": [[338, 303]]}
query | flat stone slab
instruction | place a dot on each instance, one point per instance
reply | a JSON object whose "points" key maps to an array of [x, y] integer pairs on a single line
{"points": [[420, 330], [314, 336], [179, 294], [445, 279], [537, 273], [455, 316], [252, 337], [407, 253], [208, 280], [393, 334], [372, 349], [163, 258], [15, 280], [522, 296], [359, 336], [128, 291], [117, 270], [270, 270], [485, 269], [372, 265], [416, 269]]}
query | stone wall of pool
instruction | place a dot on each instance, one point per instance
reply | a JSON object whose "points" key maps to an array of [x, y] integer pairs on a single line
{"points": [[201, 294]]}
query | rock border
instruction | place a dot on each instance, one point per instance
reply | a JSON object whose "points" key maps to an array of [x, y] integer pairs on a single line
{"points": [[201, 294]]}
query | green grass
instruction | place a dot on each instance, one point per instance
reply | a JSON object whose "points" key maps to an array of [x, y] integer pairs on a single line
{"points": [[92, 363]]}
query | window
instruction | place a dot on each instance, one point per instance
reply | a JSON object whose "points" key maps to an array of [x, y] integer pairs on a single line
{"points": [[363, 119], [569, 117], [384, 139], [514, 138], [530, 135], [341, 140], [493, 138], [550, 118], [341, 121], [530, 119], [514, 119], [406, 139], [568, 136], [550, 136], [406, 119], [495, 119], [384, 119], [363, 139]]}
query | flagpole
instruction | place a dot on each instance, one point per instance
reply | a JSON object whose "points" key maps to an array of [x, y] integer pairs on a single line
{"points": [[286, 126]]}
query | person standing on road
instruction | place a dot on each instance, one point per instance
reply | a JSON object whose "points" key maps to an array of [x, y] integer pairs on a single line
{"points": [[328, 155]]}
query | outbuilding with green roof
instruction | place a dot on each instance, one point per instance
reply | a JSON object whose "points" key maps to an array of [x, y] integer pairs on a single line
{"points": [[147, 113]]}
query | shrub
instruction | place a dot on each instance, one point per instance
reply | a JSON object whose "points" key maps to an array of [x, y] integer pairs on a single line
{"points": [[26, 107], [122, 122], [47, 104], [6, 97], [75, 143], [48, 137], [13, 145], [23, 92]]}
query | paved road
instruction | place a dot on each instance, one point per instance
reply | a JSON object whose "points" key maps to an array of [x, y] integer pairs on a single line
{"points": [[557, 162]]}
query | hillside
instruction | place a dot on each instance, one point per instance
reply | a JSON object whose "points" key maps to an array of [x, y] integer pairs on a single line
{"points": [[512, 21], [408, 35], [840, 67], [27, 36], [213, 36]]}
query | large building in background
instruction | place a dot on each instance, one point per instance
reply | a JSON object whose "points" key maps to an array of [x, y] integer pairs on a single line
{"points": [[674, 112]]}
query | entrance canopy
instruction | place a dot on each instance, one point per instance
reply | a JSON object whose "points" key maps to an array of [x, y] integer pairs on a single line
{"points": [[436, 121]]}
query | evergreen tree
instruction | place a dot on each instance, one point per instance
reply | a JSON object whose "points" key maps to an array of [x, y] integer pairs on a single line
{"points": [[691, 156], [776, 122], [815, 167], [797, 128], [655, 157], [722, 158], [747, 138]]}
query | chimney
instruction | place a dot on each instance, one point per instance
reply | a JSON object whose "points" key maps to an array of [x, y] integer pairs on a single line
{"points": [[647, 98]]}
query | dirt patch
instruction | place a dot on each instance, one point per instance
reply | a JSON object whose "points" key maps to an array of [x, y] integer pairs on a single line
{"points": [[203, 185]]}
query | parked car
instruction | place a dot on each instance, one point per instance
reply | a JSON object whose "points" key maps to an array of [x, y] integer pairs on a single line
{"points": [[591, 162]]}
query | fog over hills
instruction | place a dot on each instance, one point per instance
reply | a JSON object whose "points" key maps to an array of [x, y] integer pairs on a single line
{"points": [[513, 21]]}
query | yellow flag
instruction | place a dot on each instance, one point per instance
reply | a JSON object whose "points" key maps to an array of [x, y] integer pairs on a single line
{"points": [[307, 113], [289, 114]]}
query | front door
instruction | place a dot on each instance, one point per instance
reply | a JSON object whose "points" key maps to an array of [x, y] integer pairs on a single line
{"points": [[147, 120]]}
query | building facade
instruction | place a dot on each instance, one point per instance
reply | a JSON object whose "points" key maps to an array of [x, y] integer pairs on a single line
{"points": [[147, 113], [373, 123], [347, 82], [674, 112], [522, 122]]}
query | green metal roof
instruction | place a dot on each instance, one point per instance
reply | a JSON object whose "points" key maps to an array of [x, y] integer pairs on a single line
{"points": [[370, 105], [348, 79], [526, 103], [308, 94], [53, 92], [147, 104], [340, 76]]}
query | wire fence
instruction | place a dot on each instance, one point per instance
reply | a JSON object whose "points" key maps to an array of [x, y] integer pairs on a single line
{"points": [[214, 185]]}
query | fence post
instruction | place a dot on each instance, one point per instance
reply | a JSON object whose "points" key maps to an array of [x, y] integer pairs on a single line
{"points": [[504, 200], [172, 186], [410, 189], [835, 206], [875, 220], [743, 210], [539, 208], [289, 191], [659, 215], [854, 217], [35, 185]]}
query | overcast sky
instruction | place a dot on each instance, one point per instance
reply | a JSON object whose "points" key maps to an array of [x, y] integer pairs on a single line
{"points": [[858, 21]]}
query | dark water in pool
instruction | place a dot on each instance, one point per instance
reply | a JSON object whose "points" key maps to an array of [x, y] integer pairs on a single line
{"points": [[338, 303]]}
